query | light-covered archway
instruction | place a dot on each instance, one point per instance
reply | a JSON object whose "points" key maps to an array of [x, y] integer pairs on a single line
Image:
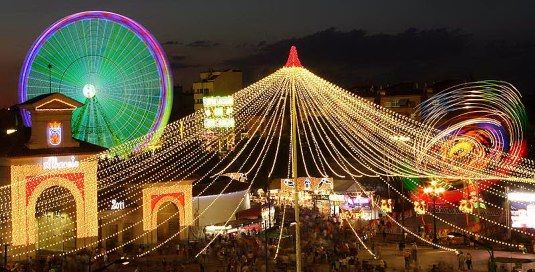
{"points": [[26, 187], [156, 195]]}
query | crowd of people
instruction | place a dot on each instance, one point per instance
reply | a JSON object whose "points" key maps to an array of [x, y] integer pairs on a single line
{"points": [[328, 243]]}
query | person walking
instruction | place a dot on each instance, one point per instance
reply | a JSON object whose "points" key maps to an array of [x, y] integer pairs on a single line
{"points": [[469, 261], [414, 254], [461, 260], [407, 258]]}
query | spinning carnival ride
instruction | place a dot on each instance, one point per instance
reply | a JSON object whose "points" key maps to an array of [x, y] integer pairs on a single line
{"points": [[480, 122], [112, 65]]}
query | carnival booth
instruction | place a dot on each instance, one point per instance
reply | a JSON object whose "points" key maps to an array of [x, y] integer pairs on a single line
{"points": [[313, 192]]}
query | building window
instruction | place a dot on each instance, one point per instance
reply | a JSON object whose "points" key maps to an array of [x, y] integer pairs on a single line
{"points": [[205, 91]]}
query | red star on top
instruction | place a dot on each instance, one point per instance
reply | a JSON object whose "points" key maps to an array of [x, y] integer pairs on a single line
{"points": [[293, 58]]}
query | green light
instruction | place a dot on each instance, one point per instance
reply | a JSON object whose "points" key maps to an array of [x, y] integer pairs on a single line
{"points": [[109, 69], [89, 90]]}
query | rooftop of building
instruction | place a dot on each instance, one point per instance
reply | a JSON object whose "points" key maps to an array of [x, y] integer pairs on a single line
{"points": [[404, 88], [208, 76]]}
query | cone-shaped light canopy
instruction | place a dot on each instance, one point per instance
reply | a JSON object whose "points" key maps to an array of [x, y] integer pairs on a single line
{"points": [[293, 58]]}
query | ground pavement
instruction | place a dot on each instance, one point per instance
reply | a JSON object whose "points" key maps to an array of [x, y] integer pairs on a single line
{"points": [[428, 256]]}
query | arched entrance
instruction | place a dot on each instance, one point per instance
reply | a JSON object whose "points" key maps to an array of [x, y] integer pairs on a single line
{"points": [[29, 189], [162, 200], [168, 222], [56, 220]]}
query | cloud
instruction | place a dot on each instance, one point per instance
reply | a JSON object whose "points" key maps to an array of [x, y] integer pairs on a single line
{"points": [[350, 58], [179, 62], [357, 47], [203, 43], [173, 43], [181, 65]]}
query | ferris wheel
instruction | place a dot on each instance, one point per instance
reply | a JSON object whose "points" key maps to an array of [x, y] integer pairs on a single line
{"points": [[109, 63]]}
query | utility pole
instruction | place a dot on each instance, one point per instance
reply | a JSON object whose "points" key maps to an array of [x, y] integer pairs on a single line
{"points": [[294, 176], [266, 226]]}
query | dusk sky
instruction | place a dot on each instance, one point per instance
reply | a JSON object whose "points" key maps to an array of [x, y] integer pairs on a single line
{"points": [[198, 35]]}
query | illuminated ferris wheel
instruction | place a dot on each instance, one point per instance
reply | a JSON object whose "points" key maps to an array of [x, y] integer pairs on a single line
{"points": [[109, 63]]}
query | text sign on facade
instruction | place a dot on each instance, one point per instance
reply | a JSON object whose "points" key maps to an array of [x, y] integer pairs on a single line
{"points": [[117, 205], [60, 163]]}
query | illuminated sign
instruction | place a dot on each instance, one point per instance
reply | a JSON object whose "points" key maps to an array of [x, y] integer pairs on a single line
{"points": [[521, 196], [53, 133], [523, 217], [117, 205], [60, 163], [308, 184], [522, 209], [218, 112]]}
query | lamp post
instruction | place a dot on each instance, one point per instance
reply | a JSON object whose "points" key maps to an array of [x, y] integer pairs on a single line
{"points": [[434, 189]]}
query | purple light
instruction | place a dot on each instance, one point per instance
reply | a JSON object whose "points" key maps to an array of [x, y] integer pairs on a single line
{"points": [[154, 48]]}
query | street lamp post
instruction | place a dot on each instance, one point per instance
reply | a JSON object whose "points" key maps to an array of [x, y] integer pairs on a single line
{"points": [[434, 190], [435, 239]]}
